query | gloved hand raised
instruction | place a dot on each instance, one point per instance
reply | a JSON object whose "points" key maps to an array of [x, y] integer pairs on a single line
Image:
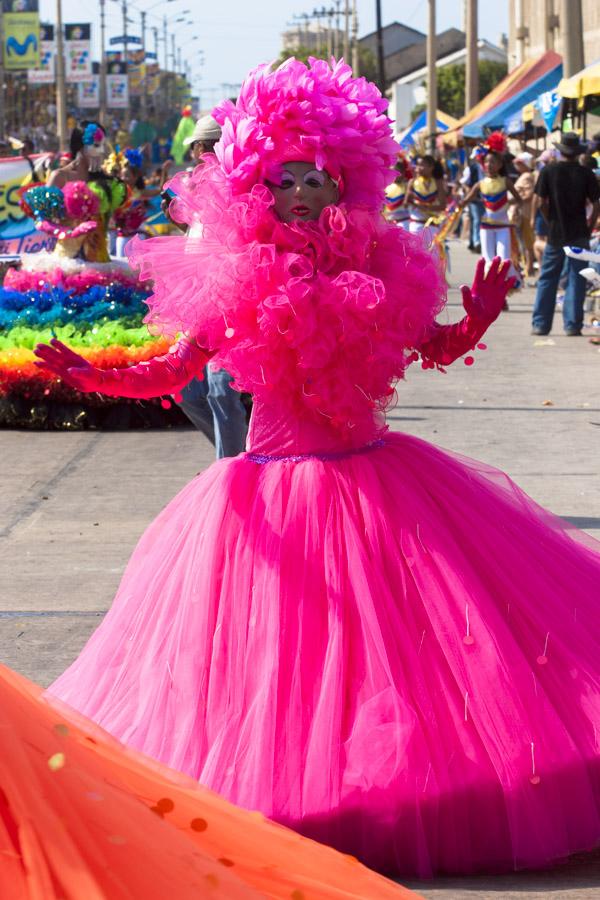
{"points": [[486, 297], [483, 302]]}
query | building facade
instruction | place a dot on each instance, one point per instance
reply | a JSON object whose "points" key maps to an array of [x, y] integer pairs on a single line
{"points": [[535, 26]]}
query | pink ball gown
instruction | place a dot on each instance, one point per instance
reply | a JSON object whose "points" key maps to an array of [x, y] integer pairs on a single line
{"points": [[386, 647], [382, 645]]}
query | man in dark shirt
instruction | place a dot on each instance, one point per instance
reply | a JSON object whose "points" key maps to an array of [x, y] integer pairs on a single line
{"points": [[563, 192]]}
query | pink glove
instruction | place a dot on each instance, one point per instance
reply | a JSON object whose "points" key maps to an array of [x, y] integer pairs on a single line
{"points": [[166, 374], [483, 302]]}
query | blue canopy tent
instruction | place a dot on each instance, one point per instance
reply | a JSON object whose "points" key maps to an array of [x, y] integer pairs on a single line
{"points": [[498, 116], [408, 137]]}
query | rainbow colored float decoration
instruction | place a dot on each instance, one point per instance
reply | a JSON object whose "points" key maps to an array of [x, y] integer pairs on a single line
{"points": [[91, 302]]}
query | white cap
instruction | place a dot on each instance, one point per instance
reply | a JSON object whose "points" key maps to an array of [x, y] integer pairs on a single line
{"points": [[525, 158], [206, 129]]}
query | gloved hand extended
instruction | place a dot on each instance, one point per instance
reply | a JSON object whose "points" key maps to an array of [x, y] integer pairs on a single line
{"points": [[166, 374]]}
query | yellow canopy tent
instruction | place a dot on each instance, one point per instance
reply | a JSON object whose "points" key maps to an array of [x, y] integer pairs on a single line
{"points": [[584, 84]]}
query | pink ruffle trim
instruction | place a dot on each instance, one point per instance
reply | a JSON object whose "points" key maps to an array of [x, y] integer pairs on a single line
{"points": [[324, 313]]}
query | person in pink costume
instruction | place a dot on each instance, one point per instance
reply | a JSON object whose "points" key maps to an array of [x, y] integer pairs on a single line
{"points": [[381, 644]]}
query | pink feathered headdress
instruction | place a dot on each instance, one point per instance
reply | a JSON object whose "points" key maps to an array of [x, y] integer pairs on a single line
{"points": [[317, 113]]}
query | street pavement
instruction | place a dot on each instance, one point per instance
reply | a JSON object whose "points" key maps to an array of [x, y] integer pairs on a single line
{"points": [[72, 505]]}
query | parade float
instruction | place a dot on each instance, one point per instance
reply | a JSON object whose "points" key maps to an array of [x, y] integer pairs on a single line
{"points": [[64, 284]]}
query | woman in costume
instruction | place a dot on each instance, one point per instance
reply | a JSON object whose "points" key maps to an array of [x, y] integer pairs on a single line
{"points": [[426, 194], [127, 220], [383, 645], [495, 189], [88, 149], [395, 209]]}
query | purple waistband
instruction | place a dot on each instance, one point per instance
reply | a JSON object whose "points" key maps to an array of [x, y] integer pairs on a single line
{"points": [[262, 458]]}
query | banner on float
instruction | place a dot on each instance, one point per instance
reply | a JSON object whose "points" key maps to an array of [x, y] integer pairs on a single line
{"points": [[78, 52], [88, 93], [137, 80], [152, 78], [45, 74], [17, 232], [117, 86], [21, 34]]}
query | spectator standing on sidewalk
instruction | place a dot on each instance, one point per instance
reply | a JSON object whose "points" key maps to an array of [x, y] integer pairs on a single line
{"points": [[521, 216], [472, 174], [211, 404], [563, 191]]}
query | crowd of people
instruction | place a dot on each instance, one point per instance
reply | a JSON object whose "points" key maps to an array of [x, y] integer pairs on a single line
{"points": [[523, 207]]}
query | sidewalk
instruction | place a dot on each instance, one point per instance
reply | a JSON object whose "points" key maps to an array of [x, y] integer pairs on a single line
{"points": [[72, 505]]}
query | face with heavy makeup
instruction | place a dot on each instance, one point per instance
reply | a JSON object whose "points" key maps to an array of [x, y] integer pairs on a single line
{"points": [[302, 192]]}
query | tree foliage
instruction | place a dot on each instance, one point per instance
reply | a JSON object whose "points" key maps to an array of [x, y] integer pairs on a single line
{"points": [[366, 59], [451, 86]]}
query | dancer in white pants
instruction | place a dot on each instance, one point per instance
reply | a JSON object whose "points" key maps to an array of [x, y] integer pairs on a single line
{"points": [[494, 189]]}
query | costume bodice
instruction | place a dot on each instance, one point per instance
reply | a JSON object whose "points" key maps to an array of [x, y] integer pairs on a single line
{"points": [[494, 193], [425, 189], [394, 201], [277, 431]]}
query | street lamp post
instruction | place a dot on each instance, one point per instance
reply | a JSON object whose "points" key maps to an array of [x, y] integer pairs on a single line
{"points": [[380, 62], [103, 62], [472, 72], [431, 78], [346, 30], [355, 59], [144, 77], [61, 98]]}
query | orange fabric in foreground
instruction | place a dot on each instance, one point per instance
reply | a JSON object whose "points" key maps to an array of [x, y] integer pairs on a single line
{"points": [[83, 818]]}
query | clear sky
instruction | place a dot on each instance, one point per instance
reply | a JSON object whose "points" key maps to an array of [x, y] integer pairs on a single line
{"points": [[236, 35]]}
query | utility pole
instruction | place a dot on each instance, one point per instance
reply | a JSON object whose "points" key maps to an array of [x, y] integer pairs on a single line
{"points": [[144, 75], [2, 76], [380, 60], [431, 78], [126, 58], [571, 24], [174, 69], [336, 35], [317, 16], [355, 59], [167, 79], [61, 98], [346, 52], [103, 63], [124, 13], [472, 73]]}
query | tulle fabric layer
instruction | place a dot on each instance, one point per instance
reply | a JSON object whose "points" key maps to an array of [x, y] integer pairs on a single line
{"points": [[395, 653], [84, 818]]}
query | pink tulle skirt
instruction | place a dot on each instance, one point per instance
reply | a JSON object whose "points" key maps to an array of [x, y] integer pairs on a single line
{"points": [[394, 652]]}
